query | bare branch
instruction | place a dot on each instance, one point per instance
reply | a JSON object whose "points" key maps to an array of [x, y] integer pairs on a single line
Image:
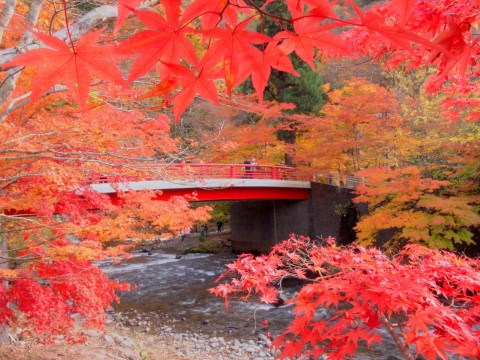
{"points": [[11, 107], [7, 13], [10, 82]]}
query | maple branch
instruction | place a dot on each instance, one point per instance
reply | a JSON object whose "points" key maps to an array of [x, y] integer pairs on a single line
{"points": [[275, 18], [14, 179], [32, 19], [11, 108], [8, 85], [29, 136], [400, 344], [7, 13], [67, 26]]}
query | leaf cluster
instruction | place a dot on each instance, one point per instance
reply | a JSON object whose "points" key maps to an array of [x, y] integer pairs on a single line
{"points": [[426, 300]]}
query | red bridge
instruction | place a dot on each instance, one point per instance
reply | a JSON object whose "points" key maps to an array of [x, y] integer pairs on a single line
{"points": [[212, 182]]}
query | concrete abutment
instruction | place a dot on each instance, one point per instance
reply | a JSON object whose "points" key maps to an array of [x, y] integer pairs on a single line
{"points": [[260, 224]]}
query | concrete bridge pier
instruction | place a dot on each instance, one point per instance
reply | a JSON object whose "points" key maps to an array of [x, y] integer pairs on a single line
{"points": [[258, 225]]}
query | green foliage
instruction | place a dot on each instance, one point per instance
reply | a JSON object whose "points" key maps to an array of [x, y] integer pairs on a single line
{"points": [[86, 6], [221, 212], [341, 209], [196, 249], [210, 244]]}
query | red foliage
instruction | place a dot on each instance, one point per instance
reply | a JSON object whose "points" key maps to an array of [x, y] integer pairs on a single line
{"points": [[72, 64], [48, 296], [208, 35], [422, 297]]}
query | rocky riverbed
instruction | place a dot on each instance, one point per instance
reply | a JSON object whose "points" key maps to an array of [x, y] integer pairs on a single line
{"points": [[188, 344], [138, 335], [119, 342]]}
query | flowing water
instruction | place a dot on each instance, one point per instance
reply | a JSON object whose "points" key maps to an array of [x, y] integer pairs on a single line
{"points": [[175, 290]]}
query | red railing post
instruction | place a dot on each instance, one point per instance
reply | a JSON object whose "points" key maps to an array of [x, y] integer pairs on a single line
{"points": [[233, 172], [274, 173]]}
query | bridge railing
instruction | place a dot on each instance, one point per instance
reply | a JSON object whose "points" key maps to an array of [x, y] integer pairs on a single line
{"points": [[336, 179], [199, 172]]}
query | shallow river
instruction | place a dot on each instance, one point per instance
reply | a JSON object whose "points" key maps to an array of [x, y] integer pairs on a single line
{"points": [[176, 290]]}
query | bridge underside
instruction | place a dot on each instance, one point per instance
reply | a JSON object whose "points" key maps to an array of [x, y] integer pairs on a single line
{"points": [[238, 194], [217, 189]]}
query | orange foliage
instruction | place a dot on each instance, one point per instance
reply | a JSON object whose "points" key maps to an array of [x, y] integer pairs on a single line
{"points": [[360, 128], [414, 208]]}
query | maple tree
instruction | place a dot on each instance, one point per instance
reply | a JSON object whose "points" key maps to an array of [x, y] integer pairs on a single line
{"points": [[253, 140], [59, 60], [406, 152], [53, 225], [404, 200], [360, 128], [428, 209], [426, 300]]}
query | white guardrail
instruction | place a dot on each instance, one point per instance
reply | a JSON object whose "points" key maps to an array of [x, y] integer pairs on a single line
{"points": [[349, 181]]}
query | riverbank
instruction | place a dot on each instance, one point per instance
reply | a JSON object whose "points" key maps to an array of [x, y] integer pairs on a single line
{"points": [[125, 343], [214, 242], [137, 335]]}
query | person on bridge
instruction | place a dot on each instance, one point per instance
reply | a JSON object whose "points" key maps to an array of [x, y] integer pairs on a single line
{"points": [[219, 226], [253, 168], [247, 168]]}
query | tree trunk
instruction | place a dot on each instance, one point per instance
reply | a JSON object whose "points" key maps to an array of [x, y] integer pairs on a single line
{"points": [[4, 330], [290, 157], [7, 13], [400, 344]]}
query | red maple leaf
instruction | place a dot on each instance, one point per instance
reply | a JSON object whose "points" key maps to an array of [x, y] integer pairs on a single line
{"points": [[235, 47], [167, 41], [291, 349], [124, 9], [397, 35], [308, 36], [70, 65], [420, 321], [213, 11], [272, 57], [404, 9], [193, 82]]}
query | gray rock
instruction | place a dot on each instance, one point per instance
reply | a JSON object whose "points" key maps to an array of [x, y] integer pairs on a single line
{"points": [[108, 339], [124, 341], [281, 299], [128, 353], [149, 341]]}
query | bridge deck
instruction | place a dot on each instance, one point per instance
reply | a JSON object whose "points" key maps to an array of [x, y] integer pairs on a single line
{"points": [[211, 182], [217, 181]]}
